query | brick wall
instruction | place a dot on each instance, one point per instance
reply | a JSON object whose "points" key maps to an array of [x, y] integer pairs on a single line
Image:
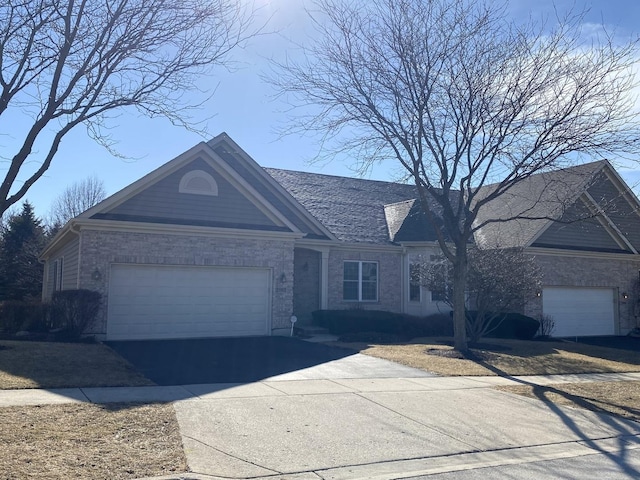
{"points": [[617, 273], [100, 249], [389, 279]]}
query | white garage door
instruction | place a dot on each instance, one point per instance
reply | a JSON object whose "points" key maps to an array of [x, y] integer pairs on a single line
{"points": [[154, 301], [580, 311]]}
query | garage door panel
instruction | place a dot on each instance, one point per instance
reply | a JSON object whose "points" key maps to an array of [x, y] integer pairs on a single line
{"points": [[153, 301], [580, 311]]}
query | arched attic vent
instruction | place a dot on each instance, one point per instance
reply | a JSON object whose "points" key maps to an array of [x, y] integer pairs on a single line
{"points": [[198, 182]]}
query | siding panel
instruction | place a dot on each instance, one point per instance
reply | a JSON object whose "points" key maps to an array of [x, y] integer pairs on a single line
{"points": [[617, 208], [163, 200], [586, 234]]}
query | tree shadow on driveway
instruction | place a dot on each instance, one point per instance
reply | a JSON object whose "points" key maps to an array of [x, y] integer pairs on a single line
{"points": [[223, 360], [621, 427]]}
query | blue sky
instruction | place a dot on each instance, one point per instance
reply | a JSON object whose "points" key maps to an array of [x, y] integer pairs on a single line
{"points": [[244, 106]]}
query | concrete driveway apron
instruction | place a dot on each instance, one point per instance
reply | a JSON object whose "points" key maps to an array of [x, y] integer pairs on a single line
{"points": [[331, 423]]}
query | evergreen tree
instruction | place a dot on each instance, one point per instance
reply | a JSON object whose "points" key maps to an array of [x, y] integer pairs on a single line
{"points": [[22, 239]]}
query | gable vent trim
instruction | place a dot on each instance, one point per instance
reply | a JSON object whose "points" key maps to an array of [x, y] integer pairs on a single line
{"points": [[198, 182]]}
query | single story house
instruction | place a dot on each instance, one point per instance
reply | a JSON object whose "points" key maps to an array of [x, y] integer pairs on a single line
{"points": [[212, 244]]}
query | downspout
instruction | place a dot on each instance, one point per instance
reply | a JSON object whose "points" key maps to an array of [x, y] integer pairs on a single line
{"points": [[404, 282], [77, 232]]}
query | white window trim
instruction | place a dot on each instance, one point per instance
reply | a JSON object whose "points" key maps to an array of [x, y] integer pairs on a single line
{"points": [[360, 262], [187, 177], [58, 274], [436, 259], [419, 300]]}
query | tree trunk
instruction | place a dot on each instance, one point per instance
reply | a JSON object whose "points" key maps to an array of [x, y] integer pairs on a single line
{"points": [[459, 286]]}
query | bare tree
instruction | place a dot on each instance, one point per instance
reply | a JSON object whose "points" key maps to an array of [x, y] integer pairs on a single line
{"points": [[69, 62], [499, 281], [461, 97], [75, 199]]}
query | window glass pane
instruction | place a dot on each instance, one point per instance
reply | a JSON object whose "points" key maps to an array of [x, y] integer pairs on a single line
{"points": [[370, 291], [351, 271], [414, 282], [369, 281], [350, 290], [369, 271]]}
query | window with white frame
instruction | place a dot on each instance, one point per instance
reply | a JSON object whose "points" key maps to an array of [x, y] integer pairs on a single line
{"points": [[440, 276], [57, 274], [360, 281], [415, 281]]}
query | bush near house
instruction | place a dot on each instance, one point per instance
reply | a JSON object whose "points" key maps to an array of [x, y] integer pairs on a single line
{"points": [[20, 315], [68, 314], [341, 322], [508, 325], [75, 310], [389, 326]]}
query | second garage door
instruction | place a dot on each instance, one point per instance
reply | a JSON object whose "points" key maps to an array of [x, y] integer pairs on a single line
{"points": [[580, 311], [156, 302]]}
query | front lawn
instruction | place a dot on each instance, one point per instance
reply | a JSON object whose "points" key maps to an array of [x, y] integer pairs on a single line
{"points": [[618, 398], [517, 357], [114, 441], [58, 365], [505, 357]]}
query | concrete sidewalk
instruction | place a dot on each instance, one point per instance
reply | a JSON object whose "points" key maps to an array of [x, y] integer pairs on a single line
{"points": [[348, 429], [288, 384], [382, 428]]}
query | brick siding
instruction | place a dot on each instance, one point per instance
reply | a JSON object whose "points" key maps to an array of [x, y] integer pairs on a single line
{"points": [[101, 249]]}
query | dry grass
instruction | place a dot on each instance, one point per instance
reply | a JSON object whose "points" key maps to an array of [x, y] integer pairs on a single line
{"points": [[510, 357], [618, 398], [58, 365], [116, 441]]}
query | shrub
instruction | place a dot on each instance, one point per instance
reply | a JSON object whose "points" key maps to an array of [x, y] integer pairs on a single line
{"points": [[351, 321], [509, 325], [434, 325], [547, 325], [30, 314], [74, 310], [340, 322]]}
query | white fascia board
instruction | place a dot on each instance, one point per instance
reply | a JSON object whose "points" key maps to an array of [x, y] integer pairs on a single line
{"points": [[204, 151], [175, 229], [258, 200], [627, 193], [559, 252], [65, 232], [604, 220], [430, 244], [256, 167], [314, 244], [140, 184]]}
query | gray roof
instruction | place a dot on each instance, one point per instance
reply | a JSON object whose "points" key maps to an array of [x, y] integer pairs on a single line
{"points": [[353, 209], [536, 200], [408, 223], [370, 211]]}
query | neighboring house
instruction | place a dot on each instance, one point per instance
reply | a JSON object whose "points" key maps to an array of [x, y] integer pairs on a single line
{"points": [[212, 244]]}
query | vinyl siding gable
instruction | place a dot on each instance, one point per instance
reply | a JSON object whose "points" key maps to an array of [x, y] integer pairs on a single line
{"points": [[163, 202], [578, 229], [619, 210]]}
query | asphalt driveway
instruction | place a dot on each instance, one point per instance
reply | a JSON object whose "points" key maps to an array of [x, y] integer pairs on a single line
{"points": [[226, 360]]}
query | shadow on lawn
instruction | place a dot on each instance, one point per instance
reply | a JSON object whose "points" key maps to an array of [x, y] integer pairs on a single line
{"points": [[622, 453]]}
